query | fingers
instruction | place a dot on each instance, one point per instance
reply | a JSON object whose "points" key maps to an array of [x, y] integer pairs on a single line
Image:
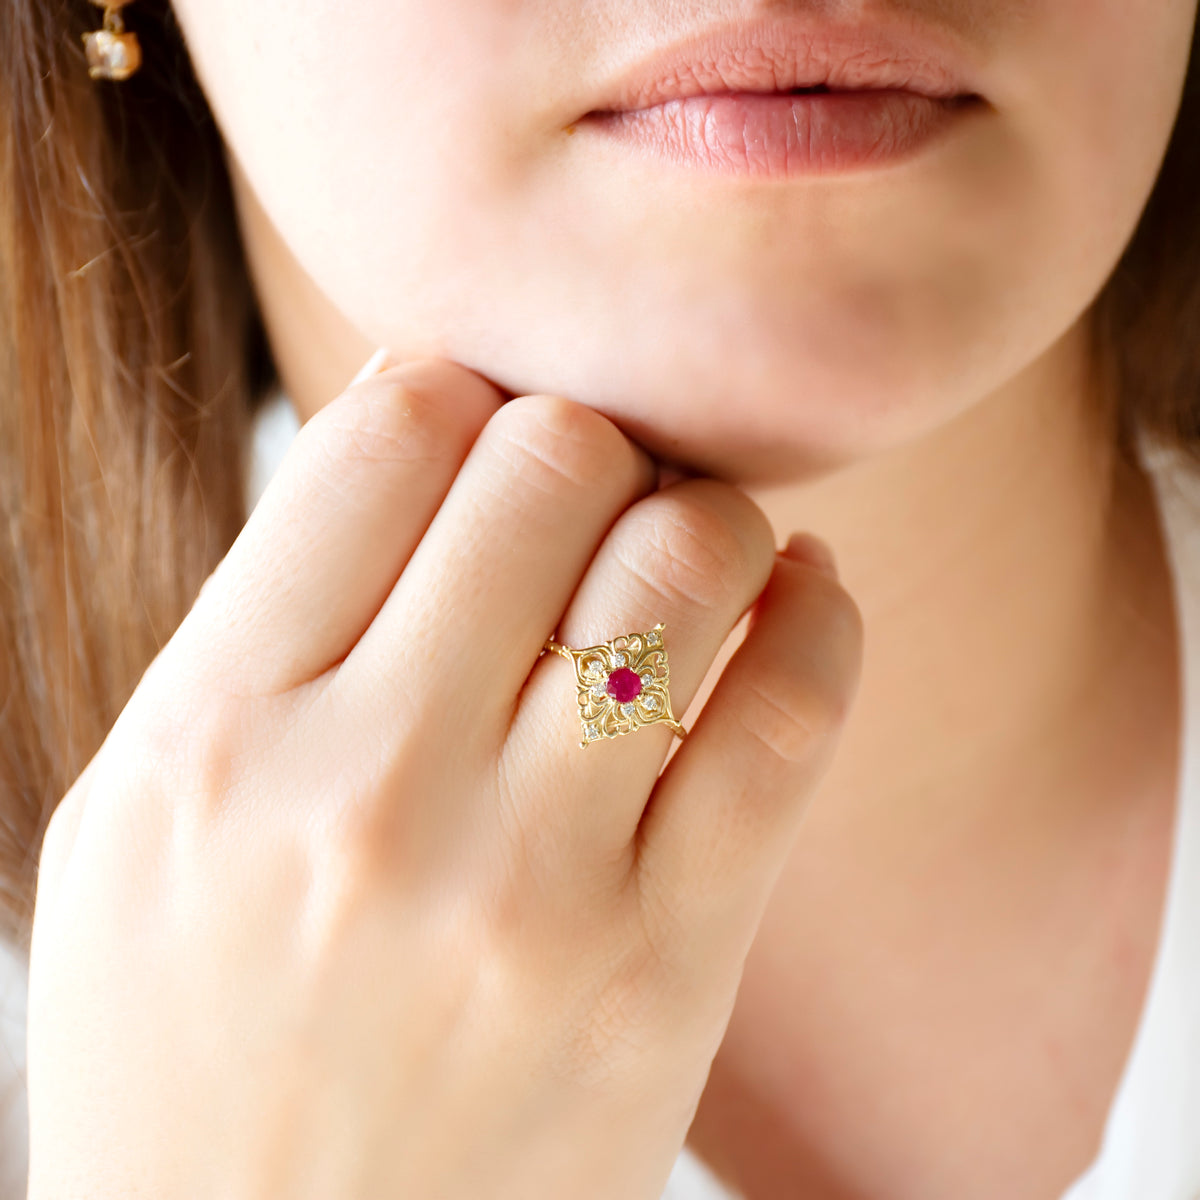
{"points": [[724, 814], [337, 524], [693, 556], [457, 636]]}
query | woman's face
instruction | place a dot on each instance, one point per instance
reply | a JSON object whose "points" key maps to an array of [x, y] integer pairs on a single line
{"points": [[425, 163]]}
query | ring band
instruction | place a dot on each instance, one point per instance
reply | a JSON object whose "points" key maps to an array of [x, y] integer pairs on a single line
{"points": [[622, 684]]}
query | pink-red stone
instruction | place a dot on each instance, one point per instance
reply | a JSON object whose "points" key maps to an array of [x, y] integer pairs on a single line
{"points": [[624, 685]]}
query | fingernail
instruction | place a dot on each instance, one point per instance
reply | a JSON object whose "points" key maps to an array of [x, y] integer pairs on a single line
{"points": [[372, 366], [810, 549]]}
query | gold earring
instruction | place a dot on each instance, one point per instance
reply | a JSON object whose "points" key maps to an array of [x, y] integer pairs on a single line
{"points": [[112, 53]]}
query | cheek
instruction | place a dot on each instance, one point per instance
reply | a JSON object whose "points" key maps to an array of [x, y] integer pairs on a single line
{"points": [[371, 134], [1090, 123]]}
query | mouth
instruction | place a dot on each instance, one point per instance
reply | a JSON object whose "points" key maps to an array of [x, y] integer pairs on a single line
{"points": [[781, 97]]}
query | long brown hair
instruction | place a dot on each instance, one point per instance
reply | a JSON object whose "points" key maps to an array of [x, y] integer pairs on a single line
{"points": [[132, 354]]}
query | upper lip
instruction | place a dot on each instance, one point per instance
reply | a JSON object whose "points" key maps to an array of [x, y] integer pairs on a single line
{"points": [[779, 54]]}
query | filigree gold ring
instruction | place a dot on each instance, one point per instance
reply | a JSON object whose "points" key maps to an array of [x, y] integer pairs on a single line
{"points": [[622, 684]]}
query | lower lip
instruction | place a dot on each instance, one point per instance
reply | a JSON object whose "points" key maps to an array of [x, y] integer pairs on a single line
{"points": [[772, 134]]}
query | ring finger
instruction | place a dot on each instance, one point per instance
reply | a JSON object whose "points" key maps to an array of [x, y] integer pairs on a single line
{"points": [[694, 557]]}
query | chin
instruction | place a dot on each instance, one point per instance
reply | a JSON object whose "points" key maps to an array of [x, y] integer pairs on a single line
{"points": [[739, 413], [723, 383], [765, 424]]}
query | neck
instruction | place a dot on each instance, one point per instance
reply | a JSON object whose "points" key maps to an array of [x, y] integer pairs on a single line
{"points": [[974, 553], [1004, 782]]}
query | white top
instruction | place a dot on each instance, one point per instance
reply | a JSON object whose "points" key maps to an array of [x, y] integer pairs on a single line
{"points": [[1151, 1144]]}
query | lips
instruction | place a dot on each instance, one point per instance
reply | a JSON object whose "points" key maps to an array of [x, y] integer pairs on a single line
{"points": [[792, 95], [796, 56]]}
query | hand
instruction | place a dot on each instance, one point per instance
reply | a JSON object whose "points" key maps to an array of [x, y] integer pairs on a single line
{"points": [[341, 909]]}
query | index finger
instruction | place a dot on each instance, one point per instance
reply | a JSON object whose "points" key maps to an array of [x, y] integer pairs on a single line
{"points": [[336, 525]]}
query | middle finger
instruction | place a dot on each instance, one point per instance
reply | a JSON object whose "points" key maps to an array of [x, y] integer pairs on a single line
{"points": [[465, 621]]}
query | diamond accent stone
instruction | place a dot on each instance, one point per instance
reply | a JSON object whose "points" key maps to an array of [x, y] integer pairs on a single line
{"points": [[651, 703], [619, 660], [591, 733], [627, 710], [647, 678], [652, 637], [599, 691]]}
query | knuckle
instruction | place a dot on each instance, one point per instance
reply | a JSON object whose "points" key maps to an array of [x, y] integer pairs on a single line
{"points": [[363, 827], [554, 443], [689, 553], [363, 841], [190, 744], [387, 421], [353, 873], [796, 702], [787, 718]]}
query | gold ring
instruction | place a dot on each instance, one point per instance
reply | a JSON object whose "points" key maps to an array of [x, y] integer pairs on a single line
{"points": [[622, 684]]}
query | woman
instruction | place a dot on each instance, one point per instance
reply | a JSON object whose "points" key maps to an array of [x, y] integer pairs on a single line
{"points": [[340, 899]]}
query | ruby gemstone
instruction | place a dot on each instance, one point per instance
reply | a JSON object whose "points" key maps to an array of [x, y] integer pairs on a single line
{"points": [[624, 685]]}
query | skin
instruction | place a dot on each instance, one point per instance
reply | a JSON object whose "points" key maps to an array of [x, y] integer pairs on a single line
{"points": [[897, 361]]}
